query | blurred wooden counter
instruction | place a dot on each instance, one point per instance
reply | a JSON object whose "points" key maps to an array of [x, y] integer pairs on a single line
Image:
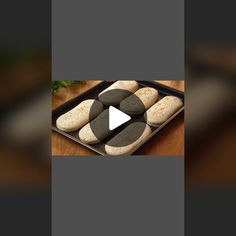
{"points": [[169, 141]]}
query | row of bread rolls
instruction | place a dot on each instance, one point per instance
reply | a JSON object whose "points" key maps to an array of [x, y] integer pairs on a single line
{"points": [[80, 115]]}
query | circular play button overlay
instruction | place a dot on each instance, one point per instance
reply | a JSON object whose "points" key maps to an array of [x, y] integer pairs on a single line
{"points": [[121, 108]]}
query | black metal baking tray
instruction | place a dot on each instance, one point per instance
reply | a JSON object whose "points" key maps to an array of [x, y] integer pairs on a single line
{"points": [[93, 94]]}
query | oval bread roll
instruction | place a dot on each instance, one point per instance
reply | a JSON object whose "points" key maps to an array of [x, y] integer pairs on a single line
{"points": [[115, 93], [115, 147], [140, 101], [79, 115], [100, 124], [163, 110]]}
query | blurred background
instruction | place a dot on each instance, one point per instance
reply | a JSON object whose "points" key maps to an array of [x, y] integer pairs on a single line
{"points": [[210, 70], [25, 73], [25, 117], [210, 117]]}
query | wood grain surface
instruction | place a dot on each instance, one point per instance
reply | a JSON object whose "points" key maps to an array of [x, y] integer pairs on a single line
{"points": [[169, 141]]}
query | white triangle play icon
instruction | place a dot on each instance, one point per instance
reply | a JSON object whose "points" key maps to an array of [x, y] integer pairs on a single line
{"points": [[116, 118]]}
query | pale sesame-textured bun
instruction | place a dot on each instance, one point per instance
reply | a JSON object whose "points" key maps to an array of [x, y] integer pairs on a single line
{"points": [[162, 110], [115, 93], [115, 146], [100, 127], [140, 101], [79, 115]]}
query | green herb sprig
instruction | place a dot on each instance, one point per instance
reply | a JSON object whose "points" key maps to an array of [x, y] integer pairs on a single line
{"points": [[56, 84]]}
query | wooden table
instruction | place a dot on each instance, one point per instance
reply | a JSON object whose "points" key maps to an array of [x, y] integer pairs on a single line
{"points": [[169, 141]]}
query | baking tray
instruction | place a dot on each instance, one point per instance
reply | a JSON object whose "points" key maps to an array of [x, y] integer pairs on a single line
{"points": [[93, 94]]}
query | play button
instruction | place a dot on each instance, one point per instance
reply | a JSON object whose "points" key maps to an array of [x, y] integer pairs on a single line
{"points": [[114, 119], [117, 118]]}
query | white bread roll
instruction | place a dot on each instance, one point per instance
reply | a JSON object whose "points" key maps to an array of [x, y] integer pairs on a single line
{"points": [[162, 110], [140, 101], [79, 115], [100, 124], [115, 145], [115, 93]]}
